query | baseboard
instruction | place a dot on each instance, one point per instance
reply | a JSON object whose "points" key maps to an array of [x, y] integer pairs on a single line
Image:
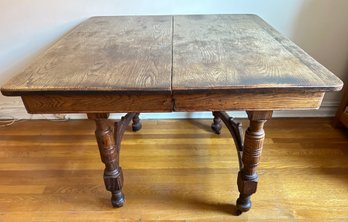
{"points": [[15, 111]]}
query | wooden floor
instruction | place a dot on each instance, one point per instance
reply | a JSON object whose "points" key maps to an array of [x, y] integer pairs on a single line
{"points": [[174, 171]]}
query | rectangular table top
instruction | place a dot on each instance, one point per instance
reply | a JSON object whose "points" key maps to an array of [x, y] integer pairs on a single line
{"points": [[172, 54]]}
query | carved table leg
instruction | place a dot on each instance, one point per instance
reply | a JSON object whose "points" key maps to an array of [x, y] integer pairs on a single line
{"points": [[216, 125], [136, 126], [109, 148], [253, 144]]}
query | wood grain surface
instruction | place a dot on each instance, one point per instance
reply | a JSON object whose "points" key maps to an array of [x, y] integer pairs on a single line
{"points": [[241, 52], [174, 171], [126, 54], [97, 103], [151, 54], [247, 101]]}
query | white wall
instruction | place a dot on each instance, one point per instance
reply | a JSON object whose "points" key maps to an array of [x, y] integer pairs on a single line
{"points": [[28, 27]]}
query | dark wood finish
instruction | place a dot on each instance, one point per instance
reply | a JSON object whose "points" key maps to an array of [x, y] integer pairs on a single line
{"points": [[109, 153], [344, 120], [164, 103], [247, 101], [236, 131], [97, 116], [116, 54], [97, 103], [136, 125], [341, 117], [253, 144], [109, 143], [241, 52], [216, 125], [249, 153]]}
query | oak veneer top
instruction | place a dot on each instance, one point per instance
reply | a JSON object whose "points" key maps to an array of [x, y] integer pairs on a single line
{"points": [[123, 54], [241, 52], [165, 54]]}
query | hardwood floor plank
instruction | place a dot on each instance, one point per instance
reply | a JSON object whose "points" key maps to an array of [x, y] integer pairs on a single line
{"points": [[22, 189]]}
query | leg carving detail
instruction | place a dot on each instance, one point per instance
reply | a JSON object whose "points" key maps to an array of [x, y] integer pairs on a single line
{"points": [[253, 144], [136, 125], [216, 125], [109, 142], [236, 131]]}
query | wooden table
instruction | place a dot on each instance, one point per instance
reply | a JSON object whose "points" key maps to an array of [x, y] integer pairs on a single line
{"points": [[174, 63]]}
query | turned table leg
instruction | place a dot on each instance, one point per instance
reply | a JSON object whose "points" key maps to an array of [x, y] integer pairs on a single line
{"points": [[253, 144], [109, 142]]}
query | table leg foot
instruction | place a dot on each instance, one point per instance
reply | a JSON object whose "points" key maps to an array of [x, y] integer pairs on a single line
{"points": [[216, 125], [117, 199], [243, 204], [114, 182], [136, 125]]}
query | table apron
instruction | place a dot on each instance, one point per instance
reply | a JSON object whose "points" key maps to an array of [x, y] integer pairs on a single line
{"points": [[248, 101], [40, 104]]}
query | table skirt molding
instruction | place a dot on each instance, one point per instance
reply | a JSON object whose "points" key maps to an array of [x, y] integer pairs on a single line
{"points": [[15, 110]]}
